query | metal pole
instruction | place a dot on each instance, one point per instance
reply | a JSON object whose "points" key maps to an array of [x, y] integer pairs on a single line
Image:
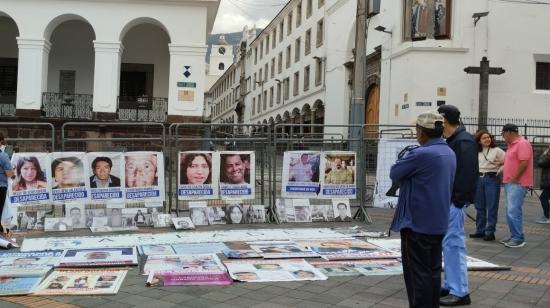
{"points": [[359, 89]]}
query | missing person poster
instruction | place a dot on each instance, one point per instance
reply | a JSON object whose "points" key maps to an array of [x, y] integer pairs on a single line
{"points": [[106, 176], [98, 257], [144, 176], [23, 264], [198, 175], [300, 174], [338, 178], [237, 175], [18, 285], [82, 282], [69, 170], [272, 270], [32, 182]]}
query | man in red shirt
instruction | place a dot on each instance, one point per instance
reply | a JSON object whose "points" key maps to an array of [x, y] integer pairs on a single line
{"points": [[517, 178]]}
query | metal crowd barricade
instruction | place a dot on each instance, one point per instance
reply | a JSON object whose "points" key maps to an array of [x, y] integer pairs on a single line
{"points": [[221, 137], [291, 137]]}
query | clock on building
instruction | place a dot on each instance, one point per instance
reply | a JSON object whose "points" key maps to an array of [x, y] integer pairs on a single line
{"points": [[221, 50]]}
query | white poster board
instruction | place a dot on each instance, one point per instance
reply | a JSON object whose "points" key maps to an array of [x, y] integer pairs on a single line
{"points": [[33, 181], [69, 172], [301, 173], [144, 176], [106, 177], [198, 175], [237, 174], [338, 178]]}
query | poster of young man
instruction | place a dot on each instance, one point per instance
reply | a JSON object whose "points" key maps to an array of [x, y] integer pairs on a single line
{"points": [[198, 175], [144, 176], [69, 171], [32, 182], [75, 212], [300, 174], [338, 179], [237, 174], [106, 176]]}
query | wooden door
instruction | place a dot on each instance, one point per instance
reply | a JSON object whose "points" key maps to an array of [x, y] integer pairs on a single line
{"points": [[372, 110]]}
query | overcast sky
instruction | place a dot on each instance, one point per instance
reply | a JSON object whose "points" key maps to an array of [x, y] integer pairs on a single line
{"points": [[233, 15]]}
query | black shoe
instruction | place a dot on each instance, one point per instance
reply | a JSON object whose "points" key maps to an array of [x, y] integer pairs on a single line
{"points": [[451, 300], [489, 237], [444, 292], [477, 235]]}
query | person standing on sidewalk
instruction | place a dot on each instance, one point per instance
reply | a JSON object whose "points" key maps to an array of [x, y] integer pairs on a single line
{"points": [[426, 175], [488, 186], [517, 178], [455, 291], [6, 171], [544, 164]]}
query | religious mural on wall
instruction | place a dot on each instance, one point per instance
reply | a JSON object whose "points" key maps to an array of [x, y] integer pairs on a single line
{"points": [[424, 19]]}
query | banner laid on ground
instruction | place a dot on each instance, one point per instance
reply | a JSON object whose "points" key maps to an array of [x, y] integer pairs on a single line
{"points": [[301, 174], [98, 257], [272, 270], [32, 182], [237, 175], [338, 178], [18, 285], [190, 264], [198, 175], [34, 263], [359, 267], [388, 152], [82, 282], [144, 173], [106, 176], [348, 249], [70, 181]]}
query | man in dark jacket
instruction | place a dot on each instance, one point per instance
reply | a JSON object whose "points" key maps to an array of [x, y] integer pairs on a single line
{"points": [[426, 176], [455, 290], [544, 164]]}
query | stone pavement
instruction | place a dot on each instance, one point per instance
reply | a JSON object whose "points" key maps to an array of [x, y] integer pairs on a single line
{"points": [[526, 285]]}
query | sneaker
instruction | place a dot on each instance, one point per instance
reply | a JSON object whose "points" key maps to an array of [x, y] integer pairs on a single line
{"points": [[543, 220], [514, 244], [506, 240]]}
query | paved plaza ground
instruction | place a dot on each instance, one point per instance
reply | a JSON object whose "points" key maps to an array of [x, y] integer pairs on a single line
{"points": [[526, 285]]}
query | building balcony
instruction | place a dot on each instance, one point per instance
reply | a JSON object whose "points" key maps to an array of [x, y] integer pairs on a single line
{"points": [[7, 103], [67, 106], [142, 108]]}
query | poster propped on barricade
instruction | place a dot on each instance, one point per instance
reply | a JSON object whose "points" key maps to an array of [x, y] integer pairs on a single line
{"points": [[198, 175], [338, 178], [33, 180], [301, 174], [388, 152], [106, 176], [69, 171], [237, 175], [144, 176]]}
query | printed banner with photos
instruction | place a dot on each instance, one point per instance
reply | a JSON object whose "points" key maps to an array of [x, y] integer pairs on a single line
{"points": [[34, 263], [237, 174], [272, 270], [33, 181], [198, 175], [388, 151], [338, 178], [144, 176], [348, 249], [98, 257], [166, 279], [359, 267], [191, 264], [106, 177], [18, 285], [282, 250], [70, 180], [301, 174], [82, 282]]}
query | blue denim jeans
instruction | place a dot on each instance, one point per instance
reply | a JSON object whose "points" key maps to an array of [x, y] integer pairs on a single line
{"points": [[544, 202], [515, 194], [487, 199], [454, 254]]}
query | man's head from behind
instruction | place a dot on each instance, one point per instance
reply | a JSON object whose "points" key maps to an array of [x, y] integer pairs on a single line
{"points": [[451, 116], [429, 125]]}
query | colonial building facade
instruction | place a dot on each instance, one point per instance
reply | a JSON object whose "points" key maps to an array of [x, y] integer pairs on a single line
{"points": [[104, 60], [418, 50], [295, 70]]}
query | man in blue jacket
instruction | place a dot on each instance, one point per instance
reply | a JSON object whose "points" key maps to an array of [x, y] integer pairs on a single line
{"points": [[455, 290], [426, 177]]}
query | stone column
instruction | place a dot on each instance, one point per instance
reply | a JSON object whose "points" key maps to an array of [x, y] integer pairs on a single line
{"points": [[108, 57], [32, 75], [312, 129], [186, 81]]}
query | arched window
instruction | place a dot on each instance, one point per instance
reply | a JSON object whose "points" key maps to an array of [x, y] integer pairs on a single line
{"points": [[221, 66]]}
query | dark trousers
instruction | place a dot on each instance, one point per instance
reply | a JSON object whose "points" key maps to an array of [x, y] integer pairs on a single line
{"points": [[3, 191], [487, 199], [421, 256], [544, 197]]}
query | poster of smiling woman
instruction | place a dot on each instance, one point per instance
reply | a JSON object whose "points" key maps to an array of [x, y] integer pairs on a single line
{"points": [[106, 176], [69, 171], [237, 174], [144, 176], [198, 175], [32, 182]]}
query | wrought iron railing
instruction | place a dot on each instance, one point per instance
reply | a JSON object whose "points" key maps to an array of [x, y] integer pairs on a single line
{"points": [[7, 103], [142, 108], [533, 129], [67, 106]]}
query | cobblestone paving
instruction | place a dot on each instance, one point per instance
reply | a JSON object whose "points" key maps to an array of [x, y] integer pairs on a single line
{"points": [[526, 285]]}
